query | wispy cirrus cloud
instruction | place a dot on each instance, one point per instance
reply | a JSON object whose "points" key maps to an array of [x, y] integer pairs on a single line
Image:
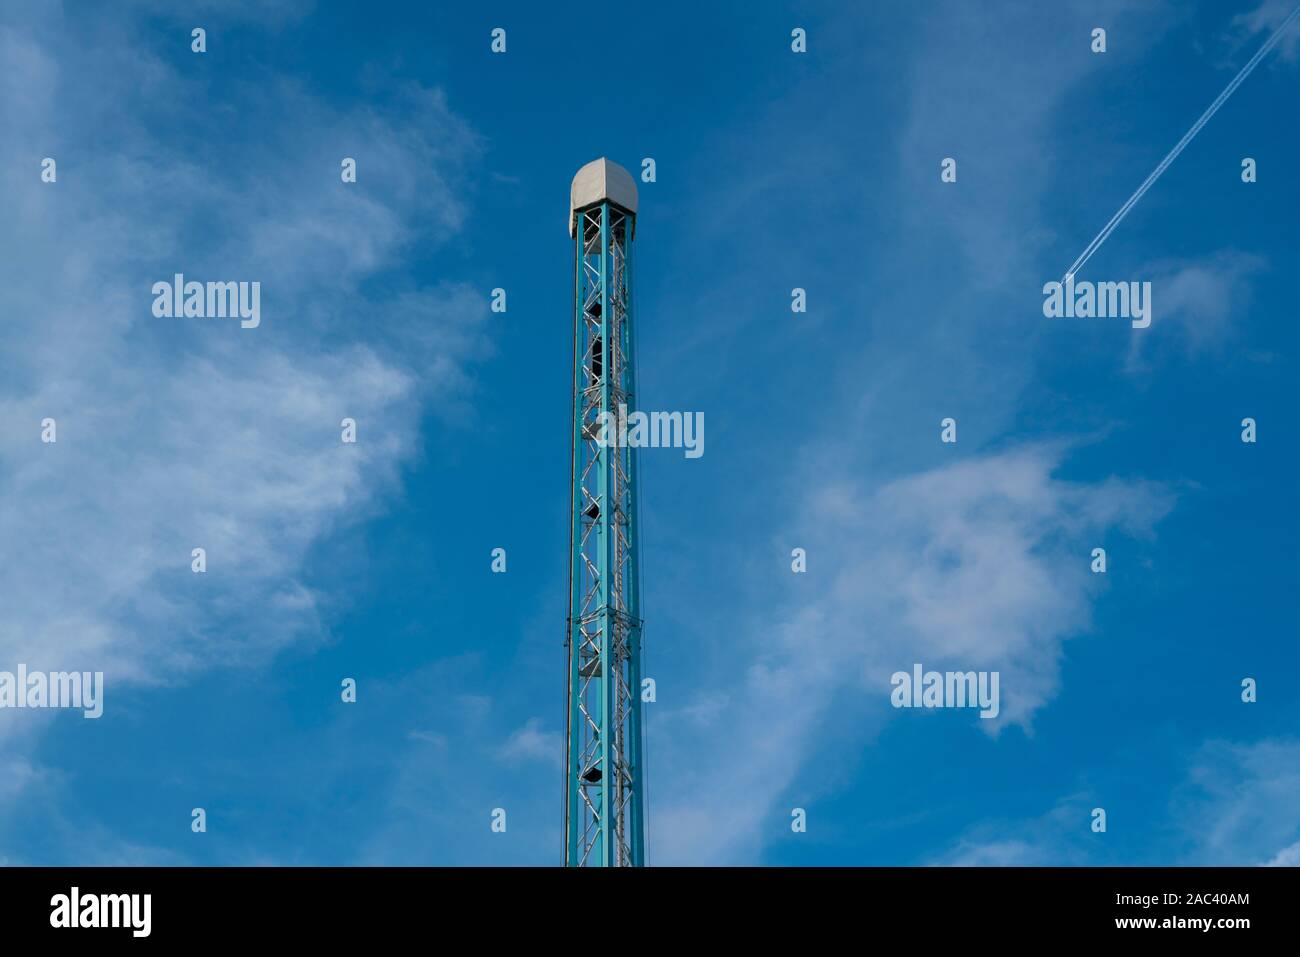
{"points": [[980, 565], [1265, 18], [1235, 806], [1240, 803], [533, 742], [1287, 857], [181, 433], [1199, 300]]}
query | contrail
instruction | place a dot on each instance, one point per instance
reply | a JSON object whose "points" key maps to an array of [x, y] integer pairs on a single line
{"points": [[1178, 148]]}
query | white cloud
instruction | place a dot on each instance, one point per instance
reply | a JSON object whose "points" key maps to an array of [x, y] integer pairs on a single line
{"points": [[1195, 302], [1010, 853], [986, 93], [1287, 857], [533, 743], [434, 738], [183, 433], [1063, 836], [980, 565], [1237, 805], [983, 564], [1240, 804], [1260, 22]]}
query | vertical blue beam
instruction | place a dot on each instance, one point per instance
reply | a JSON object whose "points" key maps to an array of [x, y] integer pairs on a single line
{"points": [[593, 282], [573, 816], [605, 848], [633, 583]]}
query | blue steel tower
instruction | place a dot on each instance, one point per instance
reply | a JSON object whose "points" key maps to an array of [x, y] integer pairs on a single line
{"points": [[604, 816]]}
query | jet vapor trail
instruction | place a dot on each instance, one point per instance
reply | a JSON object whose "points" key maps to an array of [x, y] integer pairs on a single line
{"points": [[1178, 148]]}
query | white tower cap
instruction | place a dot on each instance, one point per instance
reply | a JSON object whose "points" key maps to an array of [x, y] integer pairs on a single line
{"points": [[596, 182]]}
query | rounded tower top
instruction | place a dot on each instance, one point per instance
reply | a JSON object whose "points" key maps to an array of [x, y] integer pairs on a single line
{"points": [[601, 180]]}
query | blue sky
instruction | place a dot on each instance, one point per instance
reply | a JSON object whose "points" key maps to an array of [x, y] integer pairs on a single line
{"points": [[774, 170]]}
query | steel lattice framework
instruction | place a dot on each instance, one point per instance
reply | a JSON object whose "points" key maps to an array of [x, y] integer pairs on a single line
{"points": [[604, 809]]}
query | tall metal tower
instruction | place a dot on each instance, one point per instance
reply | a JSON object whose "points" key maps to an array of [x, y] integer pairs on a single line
{"points": [[604, 801]]}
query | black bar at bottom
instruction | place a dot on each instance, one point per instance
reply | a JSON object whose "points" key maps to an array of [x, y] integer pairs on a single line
{"points": [[540, 907]]}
